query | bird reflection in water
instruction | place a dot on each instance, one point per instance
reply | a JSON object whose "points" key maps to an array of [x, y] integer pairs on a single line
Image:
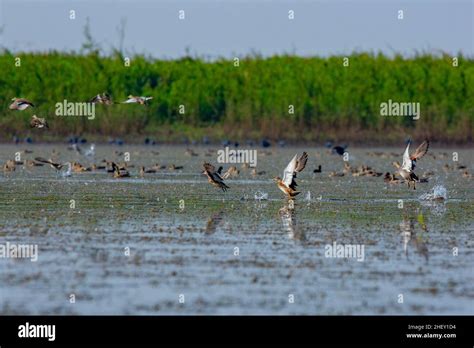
{"points": [[288, 218], [214, 221], [414, 231]]}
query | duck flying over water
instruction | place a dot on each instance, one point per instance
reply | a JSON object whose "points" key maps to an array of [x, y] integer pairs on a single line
{"points": [[214, 177], [409, 163], [20, 104], [103, 98], [37, 122], [137, 100], [53, 164], [288, 184]]}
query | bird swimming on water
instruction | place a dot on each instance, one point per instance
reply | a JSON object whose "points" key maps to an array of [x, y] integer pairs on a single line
{"points": [[288, 183], [119, 172], [9, 166], [339, 149], [232, 172]]}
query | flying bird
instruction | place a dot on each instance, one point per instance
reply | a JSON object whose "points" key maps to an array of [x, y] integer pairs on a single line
{"points": [[103, 98], [37, 122], [20, 104], [409, 163], [214, 176], [53, 164], [288, 183], [137, 100]]}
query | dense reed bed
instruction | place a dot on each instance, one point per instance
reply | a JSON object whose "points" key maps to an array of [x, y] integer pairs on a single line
{"points": [[252, 100]]}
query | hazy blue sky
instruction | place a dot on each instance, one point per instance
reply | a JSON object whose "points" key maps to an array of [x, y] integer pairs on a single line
{"points": [[236, 27]]}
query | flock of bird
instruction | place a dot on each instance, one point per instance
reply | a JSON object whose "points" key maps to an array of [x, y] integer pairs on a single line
{"points": [[287, 184], [21, 104], [216, 177]]}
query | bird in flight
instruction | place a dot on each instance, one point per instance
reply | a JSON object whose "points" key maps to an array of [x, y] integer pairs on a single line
{"points": [[288, 183], [409, 163], [37, 122], [20, 104], [53, 164], [103, 98], [137, 100], [214, 176]]}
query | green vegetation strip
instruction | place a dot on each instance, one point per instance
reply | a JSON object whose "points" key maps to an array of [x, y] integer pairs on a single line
{"points": [[249, 101]]}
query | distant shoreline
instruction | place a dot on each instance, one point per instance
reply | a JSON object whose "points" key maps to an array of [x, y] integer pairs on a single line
{"points": [[221, 144]]}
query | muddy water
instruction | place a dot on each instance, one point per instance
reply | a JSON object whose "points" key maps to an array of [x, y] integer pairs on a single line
{"points": [[228, 253]]}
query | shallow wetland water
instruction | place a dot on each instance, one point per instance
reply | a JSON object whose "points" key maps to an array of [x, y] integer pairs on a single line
{"points": [[183, 233]]}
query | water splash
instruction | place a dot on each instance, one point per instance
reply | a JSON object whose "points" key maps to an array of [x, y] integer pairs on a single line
{"points": [[308, 196], [261, 196], [438, 193]]}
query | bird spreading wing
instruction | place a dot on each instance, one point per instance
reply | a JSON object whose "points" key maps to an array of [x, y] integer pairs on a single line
{"points": [[407, 163], [420, 151], [296, 165], [209, 167], [213, 176], [409, 160], [96, 99]]}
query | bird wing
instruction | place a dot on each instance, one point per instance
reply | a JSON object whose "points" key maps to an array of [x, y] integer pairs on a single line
{"points": [[407, 163], [296, 165], [96, 99], [42, 160], [301, 163], [22, 101], [289, 171], [209, 168], [421, 150]]}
